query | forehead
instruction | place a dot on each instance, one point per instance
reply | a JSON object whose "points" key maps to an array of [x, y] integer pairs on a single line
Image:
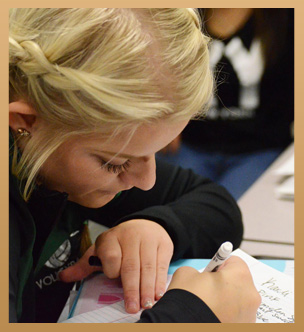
{"points": [[146, 140]]}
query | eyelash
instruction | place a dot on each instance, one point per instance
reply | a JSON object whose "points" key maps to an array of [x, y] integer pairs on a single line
{"points": [[115, 168]]}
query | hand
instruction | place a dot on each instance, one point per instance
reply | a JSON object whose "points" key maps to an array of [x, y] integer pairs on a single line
{"points": [[139, 251], [172, 147], [230, 292]]}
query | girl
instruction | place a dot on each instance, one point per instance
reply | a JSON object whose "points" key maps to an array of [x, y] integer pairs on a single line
{"points": [[94, 94]]}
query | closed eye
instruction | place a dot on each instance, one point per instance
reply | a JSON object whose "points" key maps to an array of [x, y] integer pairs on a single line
{"points": [[115, 168]]}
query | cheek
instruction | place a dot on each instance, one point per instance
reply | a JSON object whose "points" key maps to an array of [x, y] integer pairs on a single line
{"points": [[71, 173], [87, 174]]}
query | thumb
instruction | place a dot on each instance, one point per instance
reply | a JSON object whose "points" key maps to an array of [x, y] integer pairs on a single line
{"points": [[233, 263], [81, 269]]}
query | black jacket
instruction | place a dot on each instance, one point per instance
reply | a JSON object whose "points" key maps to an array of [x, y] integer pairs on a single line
{"points": [[264, 119], [45, 234]]}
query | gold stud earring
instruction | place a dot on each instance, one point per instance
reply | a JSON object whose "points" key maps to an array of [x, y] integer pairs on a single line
{"points": [[23, 132]]}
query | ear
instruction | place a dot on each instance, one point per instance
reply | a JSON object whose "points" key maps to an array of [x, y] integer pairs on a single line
{"points": [[21, 115]]}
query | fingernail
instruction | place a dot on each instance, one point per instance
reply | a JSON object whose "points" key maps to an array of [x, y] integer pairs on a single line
{"points": [[131, 306], [159, 295], [148, 304]]}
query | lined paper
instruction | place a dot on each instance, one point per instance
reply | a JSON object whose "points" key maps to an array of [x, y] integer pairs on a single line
{"points": [[276, 290], [114, 313]]}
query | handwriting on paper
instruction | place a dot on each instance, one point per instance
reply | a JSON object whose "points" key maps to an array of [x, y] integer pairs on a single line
{"points": [[276, 290], [274, 302]]}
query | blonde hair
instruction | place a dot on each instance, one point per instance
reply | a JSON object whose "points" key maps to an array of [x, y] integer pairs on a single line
{"points": [[88, 70]]}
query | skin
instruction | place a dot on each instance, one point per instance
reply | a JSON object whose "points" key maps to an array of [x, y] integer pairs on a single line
{"points": [[230, 292], [83, 175], [224, 22], [138, 251]]}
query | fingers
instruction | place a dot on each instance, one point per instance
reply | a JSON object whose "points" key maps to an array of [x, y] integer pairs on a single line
{"points": [[182, 278], [122, 258], [130, 276], [139, 251], [149, 271], [154, 259], [148, 260], [144, 274], [234, 265], [79, 270], [109, 251], [237, 266], [164, 256], [230, 292], [249, 299]]}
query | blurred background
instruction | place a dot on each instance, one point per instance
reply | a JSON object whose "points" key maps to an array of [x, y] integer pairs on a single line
{"points": [[250, 120]]}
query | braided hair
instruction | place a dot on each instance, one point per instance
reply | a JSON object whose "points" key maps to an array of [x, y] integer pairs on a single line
{"points": [[103, 70]]}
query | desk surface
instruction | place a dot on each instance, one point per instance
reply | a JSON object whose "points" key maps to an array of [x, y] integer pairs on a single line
{"points": [[268, 221]]}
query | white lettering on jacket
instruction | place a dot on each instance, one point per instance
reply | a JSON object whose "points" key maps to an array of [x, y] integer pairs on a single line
{"points": [[52, 278], [248, 66]]}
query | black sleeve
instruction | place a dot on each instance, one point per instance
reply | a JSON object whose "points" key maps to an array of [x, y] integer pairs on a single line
{"points": [[14, 249], [179, 306], [198, 214], [21, 283]]}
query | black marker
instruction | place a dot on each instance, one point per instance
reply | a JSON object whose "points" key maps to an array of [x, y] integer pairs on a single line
{"points": [[94, 261]]}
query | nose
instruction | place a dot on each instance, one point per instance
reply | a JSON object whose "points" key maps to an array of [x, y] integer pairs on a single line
{"points": [[141, 174]]}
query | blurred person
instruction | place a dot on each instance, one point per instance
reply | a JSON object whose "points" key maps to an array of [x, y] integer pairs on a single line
{"points": [[250, 121]]}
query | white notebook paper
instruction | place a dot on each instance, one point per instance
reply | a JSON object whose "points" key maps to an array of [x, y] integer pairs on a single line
{"points": [[275, 288]]}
